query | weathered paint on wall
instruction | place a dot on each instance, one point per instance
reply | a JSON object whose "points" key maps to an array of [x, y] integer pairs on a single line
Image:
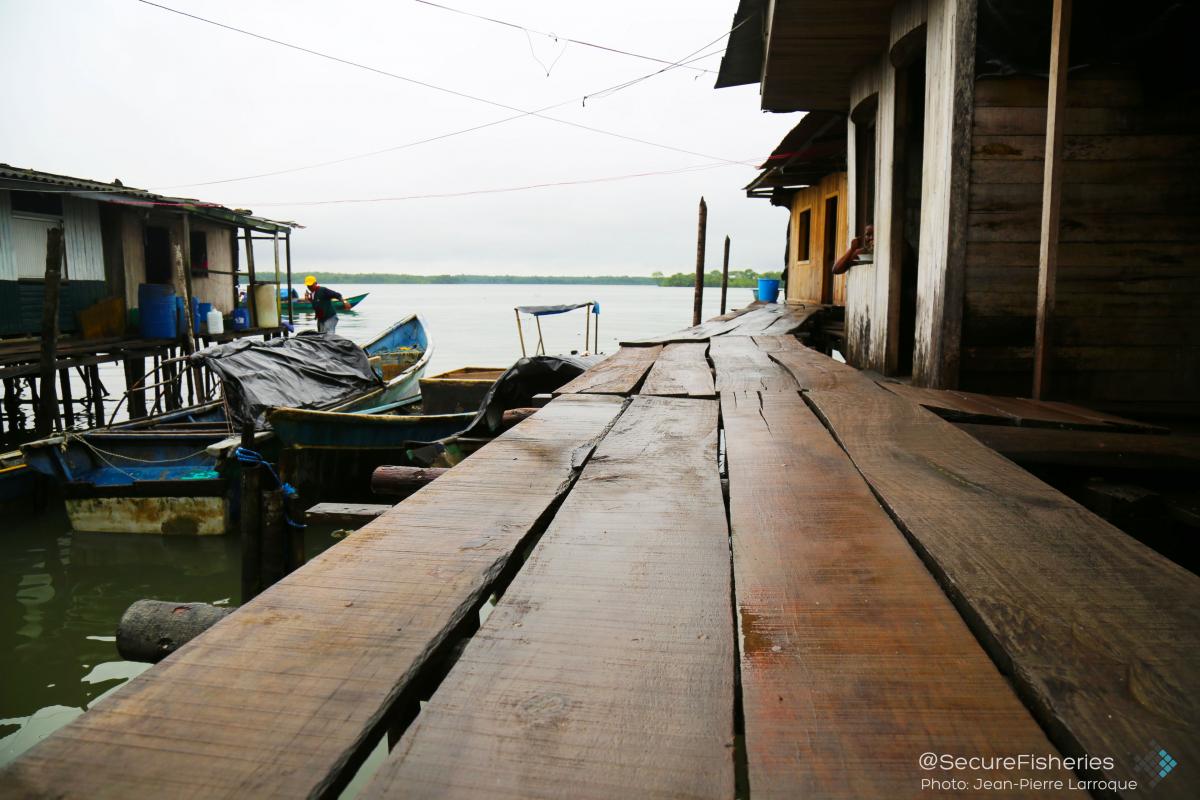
{"points": [[82, 239]]}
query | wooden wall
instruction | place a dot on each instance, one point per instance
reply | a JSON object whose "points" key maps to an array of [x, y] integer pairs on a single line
{"points": [[1126, 334], [806, 278]]}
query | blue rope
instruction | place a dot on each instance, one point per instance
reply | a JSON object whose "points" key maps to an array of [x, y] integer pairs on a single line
{"points": [[253, 458]]}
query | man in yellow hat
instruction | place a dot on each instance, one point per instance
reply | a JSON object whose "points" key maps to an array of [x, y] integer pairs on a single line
{"points": [[322, 298]]}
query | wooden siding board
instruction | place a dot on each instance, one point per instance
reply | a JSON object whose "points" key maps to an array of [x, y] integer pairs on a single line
{"points": [[607, 668], [82, 239]]}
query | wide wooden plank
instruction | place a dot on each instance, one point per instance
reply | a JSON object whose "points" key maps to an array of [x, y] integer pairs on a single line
{"points": [[810, 369], [742, 366], [696, 333], [1109, 450], [346, 513], [620, 373], [285, 695], [1100, 634], [606, 670], [681, 371], [853, 660]]}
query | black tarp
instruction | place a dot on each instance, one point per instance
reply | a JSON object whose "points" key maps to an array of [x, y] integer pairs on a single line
{"points": [[306, 371], [517, 386]]}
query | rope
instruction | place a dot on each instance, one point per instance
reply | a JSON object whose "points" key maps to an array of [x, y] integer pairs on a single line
{"points": [[68, 436], [252, 458]]}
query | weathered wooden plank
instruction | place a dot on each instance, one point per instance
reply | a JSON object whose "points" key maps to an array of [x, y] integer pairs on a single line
{"points": [[1101, 449], [741, 366], [606, 670], [696, 333], [1100, 634], [853, 660], [681, 371], [810, 369], [284, 696], [620, 373], [353, 513]]}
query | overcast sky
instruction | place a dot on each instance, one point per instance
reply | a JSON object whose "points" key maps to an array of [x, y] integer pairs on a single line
{"points": [[110, 89]]}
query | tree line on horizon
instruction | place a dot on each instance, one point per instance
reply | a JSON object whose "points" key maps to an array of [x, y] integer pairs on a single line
{"points": [[742, 278]]}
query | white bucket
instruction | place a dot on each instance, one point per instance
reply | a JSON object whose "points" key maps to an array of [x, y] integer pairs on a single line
{"points": [[265, 304]]}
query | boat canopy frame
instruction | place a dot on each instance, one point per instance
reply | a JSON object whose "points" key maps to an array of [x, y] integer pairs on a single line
{"points": [[537, 312]]}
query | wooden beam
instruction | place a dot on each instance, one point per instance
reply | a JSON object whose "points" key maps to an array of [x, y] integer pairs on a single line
{"points": [[681, 371], [725, 275], [287, 696], [698, 295], [620, 373], [606, 670], [846, 637], [1060, 41], [1091, 449], [346, 513], [47, 409]]}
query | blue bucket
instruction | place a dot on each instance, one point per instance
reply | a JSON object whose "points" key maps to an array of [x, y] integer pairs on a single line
{"points": [[768, 290], [156, 311], [241, 318]]}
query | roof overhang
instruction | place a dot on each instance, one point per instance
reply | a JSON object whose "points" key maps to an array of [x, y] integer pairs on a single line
{"points": [[808, 51], [816, 147]]}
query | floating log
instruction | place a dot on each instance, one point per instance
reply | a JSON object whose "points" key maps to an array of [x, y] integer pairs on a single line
{"points": [[150, 630], [515, 415], [403, 480]]}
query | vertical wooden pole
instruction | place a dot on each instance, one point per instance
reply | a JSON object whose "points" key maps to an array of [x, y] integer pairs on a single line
{"points": [[68, 403], [1060, 41], [183, 273], [587, 326], [250, 301], [702, 226], [520, 333], [278, 300], [287, 244], [135, 369], [725, 275], [251, 516], [47, 407], [97, 392], [276, 548], [235, 265]]}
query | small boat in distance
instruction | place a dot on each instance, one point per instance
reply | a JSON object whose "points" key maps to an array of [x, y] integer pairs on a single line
{"points": [[302, 306]]}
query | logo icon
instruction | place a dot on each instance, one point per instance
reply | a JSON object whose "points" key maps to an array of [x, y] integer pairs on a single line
{"points": [[1157, 763]]}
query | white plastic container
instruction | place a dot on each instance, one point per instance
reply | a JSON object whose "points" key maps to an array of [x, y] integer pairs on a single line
{"points": [[215, 322], [266, 299]]}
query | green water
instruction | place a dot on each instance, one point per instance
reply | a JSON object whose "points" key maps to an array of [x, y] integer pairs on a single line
{"points": [[62, 594]]}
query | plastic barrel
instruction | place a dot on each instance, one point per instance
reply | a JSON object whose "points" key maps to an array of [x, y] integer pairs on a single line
{"points": [[768, 290], [156, 311], [241, 318]]}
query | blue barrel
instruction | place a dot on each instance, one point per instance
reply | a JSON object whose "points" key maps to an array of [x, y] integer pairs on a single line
{"points": [[241, 318], [156, 311], [768, 290]]}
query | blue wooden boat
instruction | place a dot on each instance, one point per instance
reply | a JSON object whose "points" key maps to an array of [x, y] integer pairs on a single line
{"points": [[172, 473]]}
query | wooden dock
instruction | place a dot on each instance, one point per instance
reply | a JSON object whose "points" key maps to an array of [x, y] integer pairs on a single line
{"points": [[878, 585]]}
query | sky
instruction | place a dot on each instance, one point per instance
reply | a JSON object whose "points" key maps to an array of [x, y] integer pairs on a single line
{"points": [[108, 89]]}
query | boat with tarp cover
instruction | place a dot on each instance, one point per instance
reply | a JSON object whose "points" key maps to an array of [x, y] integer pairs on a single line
{"points": [[172, 473]]}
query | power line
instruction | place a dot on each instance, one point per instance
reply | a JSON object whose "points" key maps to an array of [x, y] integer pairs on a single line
{"points": [[554, 36], [425, 84], [502, 190]]}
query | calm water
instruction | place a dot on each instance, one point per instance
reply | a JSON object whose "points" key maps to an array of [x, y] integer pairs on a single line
{"points": [[61, 594]]}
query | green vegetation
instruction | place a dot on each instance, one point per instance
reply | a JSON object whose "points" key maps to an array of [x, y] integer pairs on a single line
{"points": [[743, 278]]}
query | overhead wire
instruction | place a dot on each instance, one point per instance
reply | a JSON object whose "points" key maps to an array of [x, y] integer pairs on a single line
{"points": [[434, 87], [554, 36]]}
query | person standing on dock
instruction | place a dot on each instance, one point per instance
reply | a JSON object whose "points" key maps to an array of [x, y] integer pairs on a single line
{"points": [[323, 305]]}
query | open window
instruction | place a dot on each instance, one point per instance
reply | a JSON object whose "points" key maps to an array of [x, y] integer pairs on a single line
{"points": [[865, 124], [158, 254], [199, 249], [804, 236]]}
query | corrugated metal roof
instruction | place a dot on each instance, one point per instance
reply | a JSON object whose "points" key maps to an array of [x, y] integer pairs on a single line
{"points": [[816, 147], [29, 180]]}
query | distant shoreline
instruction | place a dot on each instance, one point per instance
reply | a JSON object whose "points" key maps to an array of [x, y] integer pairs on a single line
{"points": [[738, 279]]}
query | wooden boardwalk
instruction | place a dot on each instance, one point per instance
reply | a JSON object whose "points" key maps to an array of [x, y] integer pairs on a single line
{"points": [[879, 585]]}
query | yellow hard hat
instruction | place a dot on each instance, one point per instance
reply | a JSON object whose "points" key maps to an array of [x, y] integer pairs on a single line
{"points": [[310, 280]]}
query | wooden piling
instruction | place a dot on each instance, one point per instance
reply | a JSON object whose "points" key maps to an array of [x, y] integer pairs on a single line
{"points": [[47, 408], [251, 513], [68, 403], [700, 234], [725, 275], [276, 549], [97, 393], [287, 246], [135, 371], [250, 302]]}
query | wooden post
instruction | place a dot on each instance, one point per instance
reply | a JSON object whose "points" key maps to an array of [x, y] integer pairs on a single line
{"points": [[275, 545], [725, 275], [183, 273], [278, 301], [97, 392], [520, 333], [135, 371], [250, 302], [287, 244], [1060, 41], [47, 407], [701, 229], [251, 513], [68, 404]]}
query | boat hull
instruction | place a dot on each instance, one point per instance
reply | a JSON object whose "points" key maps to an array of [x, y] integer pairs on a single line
{"points": [[305, 307], [168, 516]]}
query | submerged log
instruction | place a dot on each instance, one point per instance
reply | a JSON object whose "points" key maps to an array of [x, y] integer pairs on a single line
{"points": [[403, 480], [150, 630], [515, 415]]}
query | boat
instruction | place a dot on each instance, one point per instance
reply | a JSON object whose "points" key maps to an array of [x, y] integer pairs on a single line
{"points": [[302, 306], [174, 473]]}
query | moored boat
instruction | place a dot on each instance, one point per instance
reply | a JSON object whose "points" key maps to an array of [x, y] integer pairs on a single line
{"points": [[301, 306]]}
